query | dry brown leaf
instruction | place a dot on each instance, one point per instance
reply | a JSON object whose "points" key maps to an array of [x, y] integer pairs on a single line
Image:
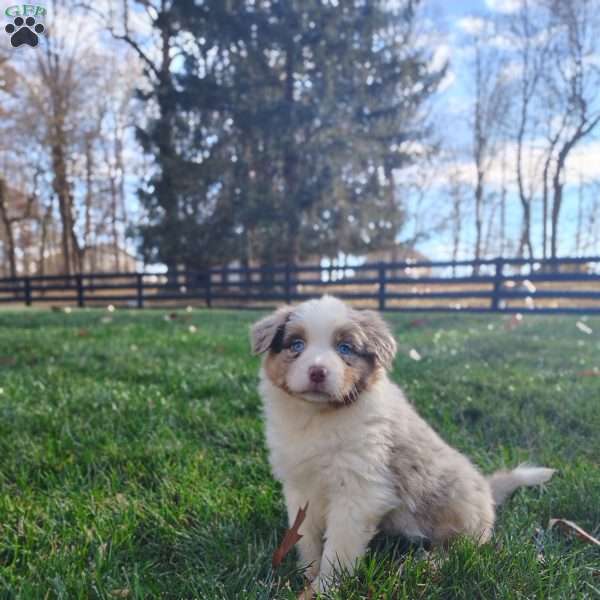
{"points": [[589, 373], [8, 361], [83, 332], [570, 527], [290, 538], [418, 323], [514, 322], [121, 593]]}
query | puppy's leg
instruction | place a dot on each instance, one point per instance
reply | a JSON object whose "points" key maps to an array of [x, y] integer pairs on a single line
{"points": [[310, 546], [350, 528]]}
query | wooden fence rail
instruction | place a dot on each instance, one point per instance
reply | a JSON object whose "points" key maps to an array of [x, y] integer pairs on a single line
{"points": [[498, 285]]}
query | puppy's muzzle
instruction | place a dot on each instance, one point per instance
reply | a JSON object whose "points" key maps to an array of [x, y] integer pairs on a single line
{"points": [[317, 375]]}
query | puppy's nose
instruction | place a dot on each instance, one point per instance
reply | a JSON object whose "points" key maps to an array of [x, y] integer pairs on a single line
{"points": [[317, 374]]}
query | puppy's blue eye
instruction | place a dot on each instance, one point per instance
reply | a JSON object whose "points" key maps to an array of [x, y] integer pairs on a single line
{"points": [[297, 346], [344, 349]]}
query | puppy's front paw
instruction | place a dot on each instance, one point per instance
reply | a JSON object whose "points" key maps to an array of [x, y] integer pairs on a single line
{"points": [[307, 593], [322, 584]]}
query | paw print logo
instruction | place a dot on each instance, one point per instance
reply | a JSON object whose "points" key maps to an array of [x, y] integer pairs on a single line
{"points": [[24, 31]]}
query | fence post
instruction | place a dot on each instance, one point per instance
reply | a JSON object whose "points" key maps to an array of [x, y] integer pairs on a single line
{"points": [[27, 283], [208, 290], [497, 291], [381, 286], [288, 284], [140, 290], [80, 299]]}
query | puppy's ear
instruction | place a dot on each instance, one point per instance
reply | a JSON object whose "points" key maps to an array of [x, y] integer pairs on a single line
{"points": [[265, 333], [378, 337]]}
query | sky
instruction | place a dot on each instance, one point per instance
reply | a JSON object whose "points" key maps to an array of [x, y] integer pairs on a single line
{"points": [[451, 20]]}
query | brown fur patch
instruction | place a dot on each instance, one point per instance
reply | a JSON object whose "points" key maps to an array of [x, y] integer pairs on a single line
{"points": [[376, 338], [360, 371], [276, 367], [279, 358], [265, 332]]}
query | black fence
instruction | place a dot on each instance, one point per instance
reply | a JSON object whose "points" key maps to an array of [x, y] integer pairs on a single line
{"points": [[499, 285]]}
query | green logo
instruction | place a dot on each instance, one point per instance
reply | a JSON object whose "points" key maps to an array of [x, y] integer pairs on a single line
{"points": [[25, 10]]}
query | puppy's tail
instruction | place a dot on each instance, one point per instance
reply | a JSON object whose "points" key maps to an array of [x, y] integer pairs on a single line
{"points": [[504, 483]]}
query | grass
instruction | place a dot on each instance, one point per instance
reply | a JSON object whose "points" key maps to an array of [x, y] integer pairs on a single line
{"points": [[132, 460]]}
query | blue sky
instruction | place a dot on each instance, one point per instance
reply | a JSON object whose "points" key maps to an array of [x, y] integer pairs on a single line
{"points": [[452, 108]]}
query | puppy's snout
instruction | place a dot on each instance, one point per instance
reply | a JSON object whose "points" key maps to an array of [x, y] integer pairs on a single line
{"points": [[317, 374]]}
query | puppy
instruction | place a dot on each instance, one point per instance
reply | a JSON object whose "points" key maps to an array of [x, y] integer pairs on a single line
{"points": [[343, 438]]}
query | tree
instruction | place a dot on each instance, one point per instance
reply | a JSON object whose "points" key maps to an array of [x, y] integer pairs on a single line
{"points": [[292, 118], [557, 87], [489, 108], [68, 96], [573, 88], [532, 55]]}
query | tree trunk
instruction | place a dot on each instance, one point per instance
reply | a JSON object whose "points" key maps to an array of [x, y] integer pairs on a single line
{"points": [[289, 164], [10, 238], [525, 239], [478, 220], [60, 184], [167, 155], [579, 231], [46, 220]]}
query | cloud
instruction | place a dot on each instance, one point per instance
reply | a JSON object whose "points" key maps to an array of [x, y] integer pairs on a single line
{"points": [[503, 6], [472, 25], [581, 167]]}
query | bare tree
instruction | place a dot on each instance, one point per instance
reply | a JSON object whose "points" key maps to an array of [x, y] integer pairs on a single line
{"points": [[575, 88], [75, 103], [532, 52], [490, 101], [7, 223]]}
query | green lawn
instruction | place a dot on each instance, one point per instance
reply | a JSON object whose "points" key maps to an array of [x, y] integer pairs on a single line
{"points": [[132, 461]]}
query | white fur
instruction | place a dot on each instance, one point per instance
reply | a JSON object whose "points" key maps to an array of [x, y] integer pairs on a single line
{"points": [[336, 460], [370, 465], [324, 316], [504, 483]]}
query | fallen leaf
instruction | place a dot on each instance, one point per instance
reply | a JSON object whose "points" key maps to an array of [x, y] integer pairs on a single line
{"points": [[538, 540], [570, 527], [594, 572], [121, 593], [8, 361], [290, 538], [514, 321], [584, 328], [414, 354], [589, 373], [83, 332], [418, 323]]}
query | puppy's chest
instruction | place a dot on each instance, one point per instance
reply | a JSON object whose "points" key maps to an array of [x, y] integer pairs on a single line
{"points": [[319, 454]]}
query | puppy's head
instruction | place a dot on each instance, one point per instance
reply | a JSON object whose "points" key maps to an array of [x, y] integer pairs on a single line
{"points": [[323, 350]]}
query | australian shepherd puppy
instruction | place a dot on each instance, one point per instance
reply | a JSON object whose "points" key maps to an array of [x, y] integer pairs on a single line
{"points": [[343, 438]]}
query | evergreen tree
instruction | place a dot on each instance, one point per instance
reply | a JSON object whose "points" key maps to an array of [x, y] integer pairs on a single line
{"points": [[291, 117]]}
